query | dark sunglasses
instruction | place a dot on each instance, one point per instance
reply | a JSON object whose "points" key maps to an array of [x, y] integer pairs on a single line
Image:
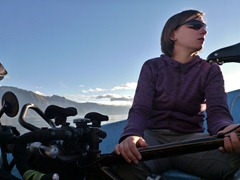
{"points": [[193, 24]]}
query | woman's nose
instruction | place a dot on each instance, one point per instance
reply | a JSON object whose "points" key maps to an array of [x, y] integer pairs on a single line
{"points": [[203, 30]]}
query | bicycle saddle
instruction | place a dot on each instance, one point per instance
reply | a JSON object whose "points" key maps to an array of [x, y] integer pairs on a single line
{"points": [[60, 114], [225, 55]]}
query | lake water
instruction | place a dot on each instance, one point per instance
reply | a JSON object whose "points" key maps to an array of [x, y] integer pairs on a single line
{"points": [[38, 122]]}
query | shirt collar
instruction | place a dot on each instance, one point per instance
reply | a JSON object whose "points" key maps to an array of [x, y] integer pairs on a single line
{"points": [[178, 65]]}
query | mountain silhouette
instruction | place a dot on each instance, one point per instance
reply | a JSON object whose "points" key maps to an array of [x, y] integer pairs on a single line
{"points": [[26, 97]]}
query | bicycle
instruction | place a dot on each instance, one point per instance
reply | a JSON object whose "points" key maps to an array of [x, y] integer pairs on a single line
{"points": [[73, 152]]}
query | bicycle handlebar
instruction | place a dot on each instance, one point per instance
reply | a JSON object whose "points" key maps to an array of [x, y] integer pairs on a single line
{"points": [[28, 126]]}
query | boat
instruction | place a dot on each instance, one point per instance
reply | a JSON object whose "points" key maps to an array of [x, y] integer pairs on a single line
{"points": [[109, 133]]}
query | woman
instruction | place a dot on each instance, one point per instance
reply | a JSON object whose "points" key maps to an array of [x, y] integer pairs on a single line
{"points": [[169, 102]]}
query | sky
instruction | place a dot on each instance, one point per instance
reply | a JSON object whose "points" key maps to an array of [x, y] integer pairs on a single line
{"points": [[93, 50]]}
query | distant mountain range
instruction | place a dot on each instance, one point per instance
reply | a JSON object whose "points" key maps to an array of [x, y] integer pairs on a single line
{"points": [[43, 102]]}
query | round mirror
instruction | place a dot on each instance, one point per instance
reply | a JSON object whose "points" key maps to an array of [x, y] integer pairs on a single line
{"points": [[10, 104]]}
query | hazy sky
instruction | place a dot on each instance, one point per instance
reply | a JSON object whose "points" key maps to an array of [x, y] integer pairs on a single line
{"points": [[92, 50]]}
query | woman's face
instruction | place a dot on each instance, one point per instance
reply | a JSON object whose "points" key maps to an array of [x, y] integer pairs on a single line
{"points": [[190, 35]]}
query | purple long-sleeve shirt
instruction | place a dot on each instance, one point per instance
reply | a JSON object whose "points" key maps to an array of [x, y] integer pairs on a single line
{"points": [[170, 95]]}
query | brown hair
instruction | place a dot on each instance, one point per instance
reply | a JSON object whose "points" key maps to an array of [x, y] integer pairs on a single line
{"points": [[171, 25]]}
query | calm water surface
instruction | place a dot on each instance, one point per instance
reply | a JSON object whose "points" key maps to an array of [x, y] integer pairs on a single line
{"points": [[38, 122]]}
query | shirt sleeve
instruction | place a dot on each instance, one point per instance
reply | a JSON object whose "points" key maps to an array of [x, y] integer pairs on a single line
{"points": [[141, 109], [218, 115]]}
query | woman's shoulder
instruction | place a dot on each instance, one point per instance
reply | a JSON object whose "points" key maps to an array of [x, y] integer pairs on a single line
{"points": [[154, 64], [156, 61], [209, 68], [209, 65]]}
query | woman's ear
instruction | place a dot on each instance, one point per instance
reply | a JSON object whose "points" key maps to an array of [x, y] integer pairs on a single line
{"points": [[172, 37]]}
